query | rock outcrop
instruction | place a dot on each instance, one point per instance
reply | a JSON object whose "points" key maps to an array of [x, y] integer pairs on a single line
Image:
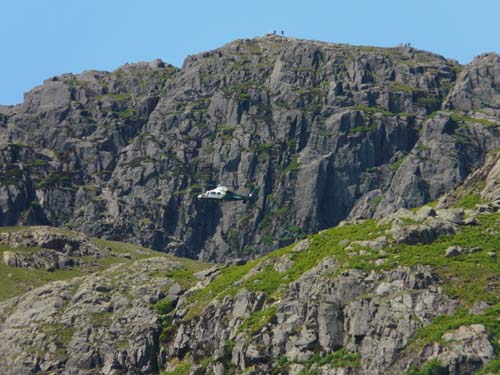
{"points": [[47, 248], [374, 315], [371, 318], [477, 86], [332, 134], [327, 131], [96, 324]]}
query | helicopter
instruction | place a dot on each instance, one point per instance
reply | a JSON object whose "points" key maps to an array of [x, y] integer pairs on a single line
{"points": [[222, 193]]}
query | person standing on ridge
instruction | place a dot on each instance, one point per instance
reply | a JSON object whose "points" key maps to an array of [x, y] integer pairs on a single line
{"points": [[282, 33]]}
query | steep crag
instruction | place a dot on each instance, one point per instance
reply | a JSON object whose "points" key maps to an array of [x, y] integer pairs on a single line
{"points": [[326, 131]]}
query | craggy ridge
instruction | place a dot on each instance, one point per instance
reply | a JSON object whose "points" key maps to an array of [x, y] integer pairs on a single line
{"points": [[327, 131]]}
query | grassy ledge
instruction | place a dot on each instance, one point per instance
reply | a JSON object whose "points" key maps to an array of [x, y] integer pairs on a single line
{"points": [[16, 280]]}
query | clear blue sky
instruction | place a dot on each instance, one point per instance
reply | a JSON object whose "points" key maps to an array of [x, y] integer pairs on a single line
{"points": [[43, 38]]}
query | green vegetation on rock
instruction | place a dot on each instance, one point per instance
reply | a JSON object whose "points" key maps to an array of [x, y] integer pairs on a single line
{"points": [[268, 280], [395, 166], [340, 358], [257, 320], [469, 201], [433, 367], [181, 369], [470, 278]]}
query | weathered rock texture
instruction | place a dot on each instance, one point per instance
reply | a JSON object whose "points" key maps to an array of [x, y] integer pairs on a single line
{"points": [[374, 315], [283, 314], [47, 248], [100, 324], [326, 131], [371, 314]]}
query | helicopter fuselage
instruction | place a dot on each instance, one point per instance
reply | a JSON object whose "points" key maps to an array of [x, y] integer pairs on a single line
{"points": [[222, 193], [217, 193]]}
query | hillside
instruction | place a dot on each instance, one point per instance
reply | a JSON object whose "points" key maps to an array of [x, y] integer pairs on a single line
{"points": [[413, 293], [327, 131], [73, 303], [353, 300]]}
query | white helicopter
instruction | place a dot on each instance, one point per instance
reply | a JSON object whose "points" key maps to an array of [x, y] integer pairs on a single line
{"points": [[222, 193]]}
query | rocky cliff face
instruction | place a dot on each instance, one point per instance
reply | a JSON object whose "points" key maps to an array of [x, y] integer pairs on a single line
{"points": [[326, 131], [332, 134]]}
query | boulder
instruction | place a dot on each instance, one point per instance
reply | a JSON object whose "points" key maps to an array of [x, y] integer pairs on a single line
{"points": [[454, 251]]}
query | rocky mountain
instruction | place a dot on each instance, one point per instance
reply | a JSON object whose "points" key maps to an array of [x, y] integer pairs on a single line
{"points": [[327, 131], [342, 140]]}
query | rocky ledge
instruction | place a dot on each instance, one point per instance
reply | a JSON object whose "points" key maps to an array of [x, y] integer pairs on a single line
{"points": [[47, 248], [334, 319]]}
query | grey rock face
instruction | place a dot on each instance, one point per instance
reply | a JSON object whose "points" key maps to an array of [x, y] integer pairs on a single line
{"points": [[105, 323], [326, 131], [374, 316], [491, 177], [454, 251], [439, 161], [465, 350], [485, 183], [99, 324], [477, 86], [424, 233], [70, 243], [44, 259]]}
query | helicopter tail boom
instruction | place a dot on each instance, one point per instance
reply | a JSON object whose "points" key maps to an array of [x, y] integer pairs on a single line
{"points": [[254, 195]]}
